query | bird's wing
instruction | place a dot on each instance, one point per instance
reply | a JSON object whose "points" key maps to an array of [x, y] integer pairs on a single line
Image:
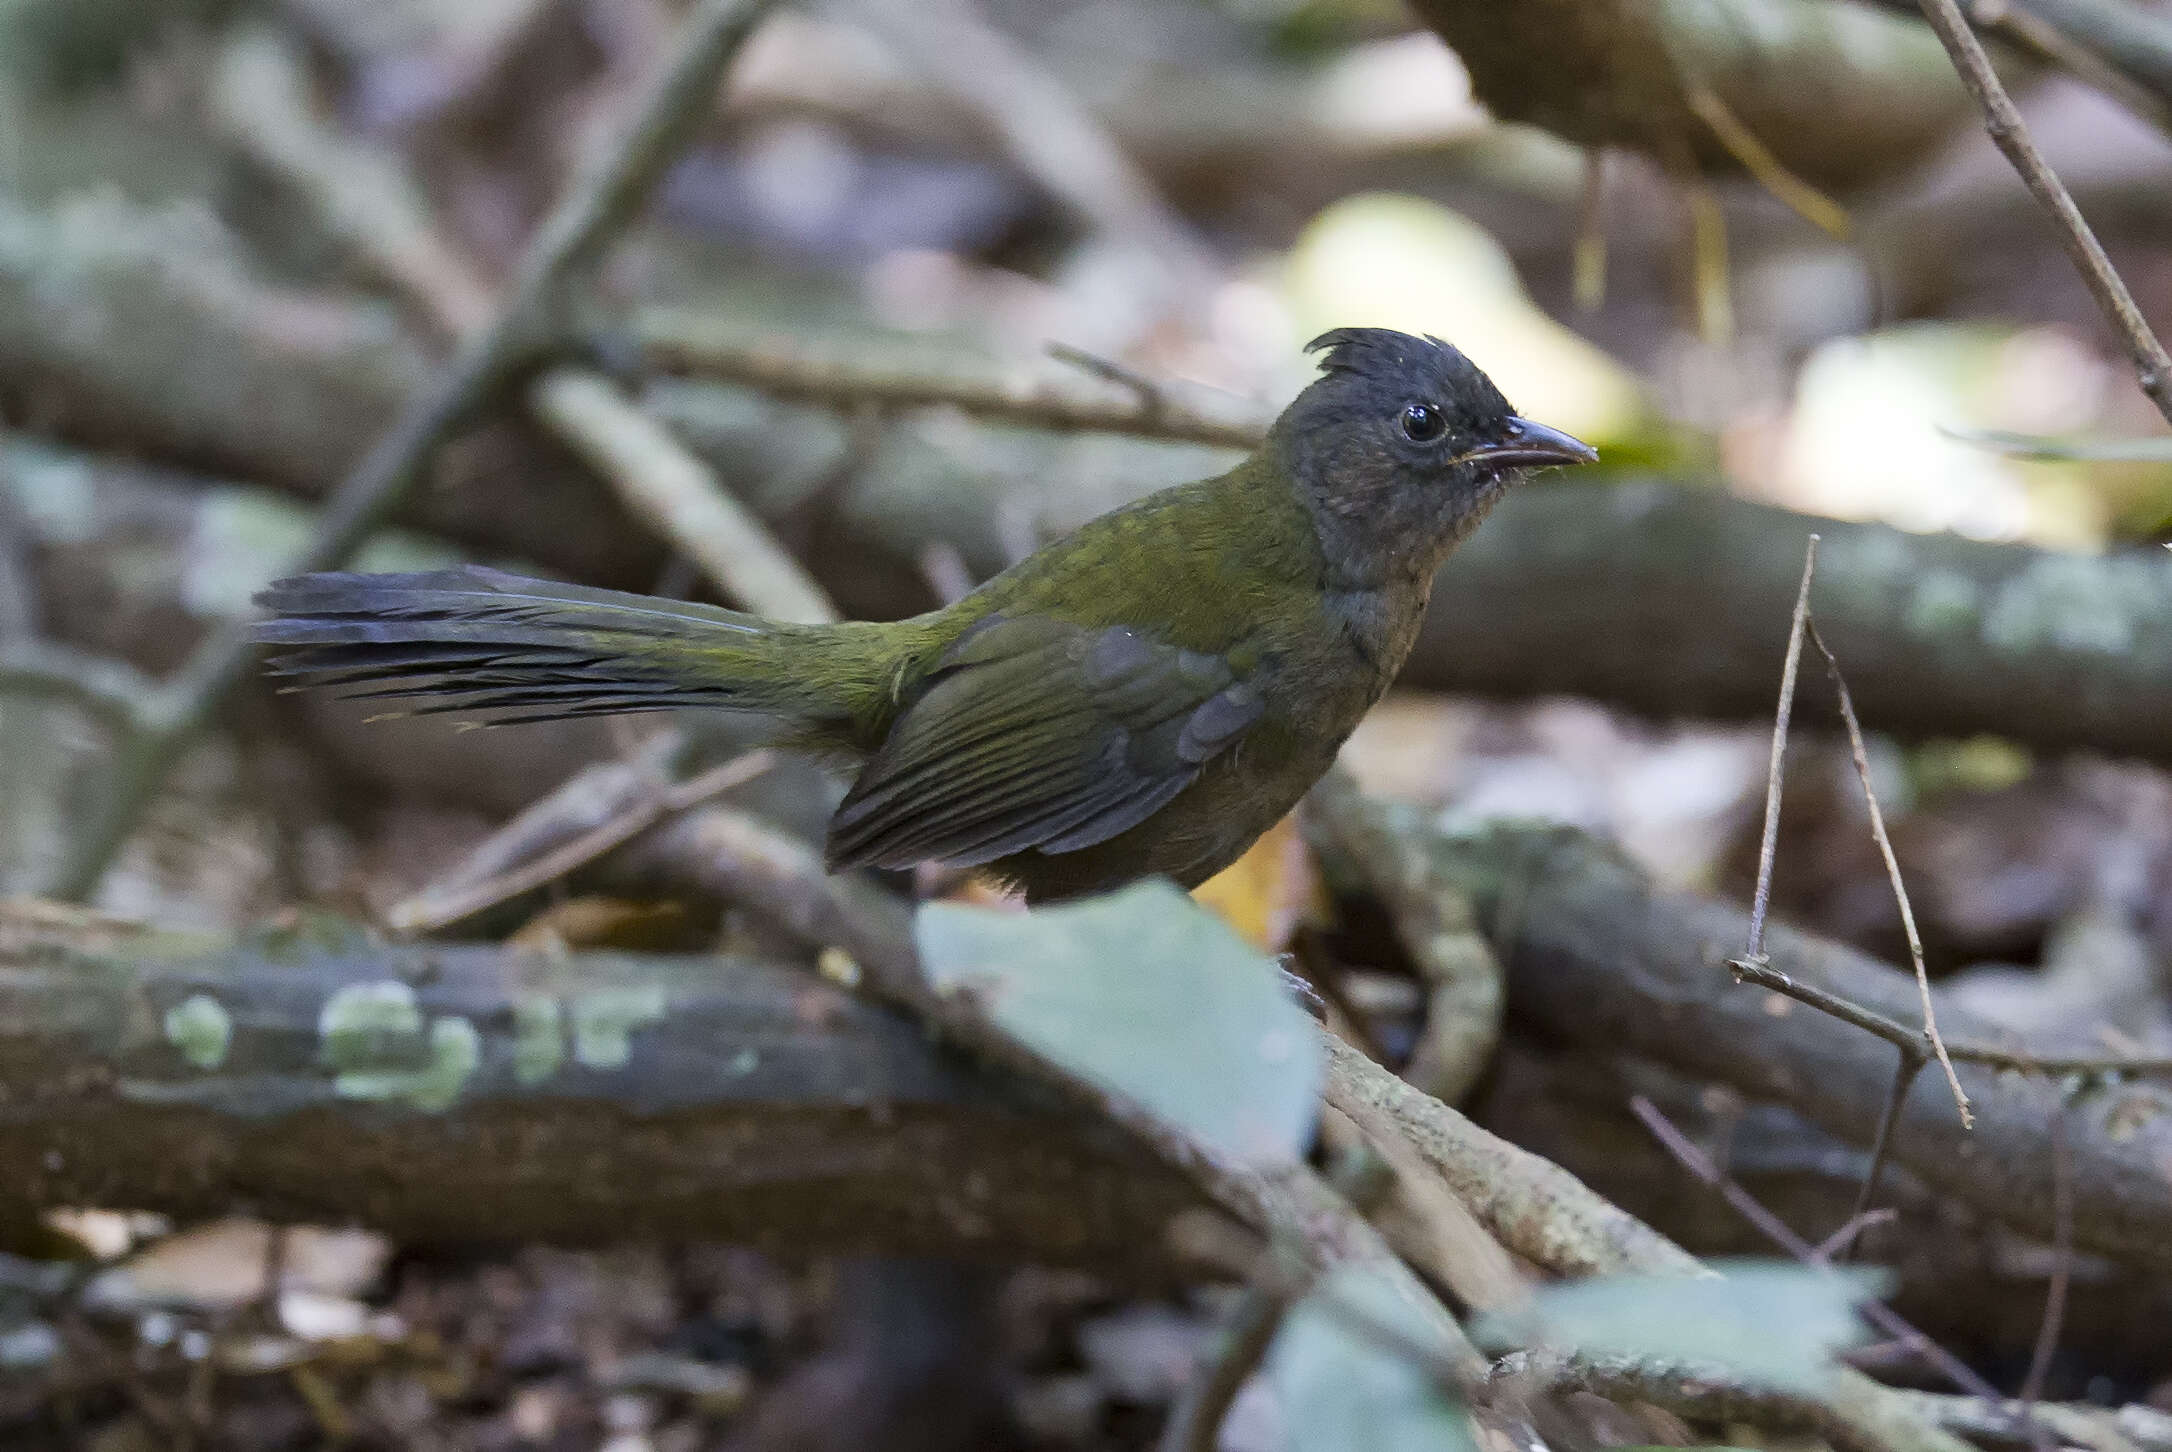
{"points": [[1036, 733]]}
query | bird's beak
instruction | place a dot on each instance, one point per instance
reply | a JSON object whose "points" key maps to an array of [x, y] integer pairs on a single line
{"points": [[1525, 444]]}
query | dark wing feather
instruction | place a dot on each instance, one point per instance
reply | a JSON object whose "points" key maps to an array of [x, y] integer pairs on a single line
{"points": [[1039, 734]]}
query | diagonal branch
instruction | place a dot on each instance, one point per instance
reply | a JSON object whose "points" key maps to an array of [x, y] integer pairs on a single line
{"points": [[598, 203], [2002, 120]]}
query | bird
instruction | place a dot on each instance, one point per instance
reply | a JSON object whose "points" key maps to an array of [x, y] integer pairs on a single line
{"points": [[1144, 696]]}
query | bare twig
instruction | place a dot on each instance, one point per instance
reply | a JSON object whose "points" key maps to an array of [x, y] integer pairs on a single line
{"points": [[1753, 964], [2062, 1270], [2002, 120], [2132, 1428], [1711, 276], [1588, 261], [1195, 1421], [1050, 135], [364, 194], [1533, 1206], [1780, 1233], [1756, 158], [568, 240], [1433, 921], [729, 855], [260, 97], [1837, 1246], [1145, 388], [1881, 1143], [2023, 28], [110, 691], [678, 495], [1892, 870], [1911, 1040], [440, 907], [683, 342], [1776, 770], [18, 592]]}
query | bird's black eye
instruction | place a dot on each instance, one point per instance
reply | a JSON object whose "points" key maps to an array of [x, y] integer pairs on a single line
{"points": [[1423, 423]]}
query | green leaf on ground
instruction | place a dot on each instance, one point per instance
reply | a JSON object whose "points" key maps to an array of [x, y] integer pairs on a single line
{"points": [[1772, 1322], [1147, 994], [1357, 1368]]}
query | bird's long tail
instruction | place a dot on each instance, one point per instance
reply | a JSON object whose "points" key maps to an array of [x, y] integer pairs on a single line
{"points": [[508, 649]]}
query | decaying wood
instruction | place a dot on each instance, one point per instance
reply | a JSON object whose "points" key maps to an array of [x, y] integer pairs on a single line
{"points": [[1596, 956], [467, 1094]]}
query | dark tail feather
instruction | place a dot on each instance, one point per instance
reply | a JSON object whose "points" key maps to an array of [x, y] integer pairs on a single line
{"points": [[512, 649]]}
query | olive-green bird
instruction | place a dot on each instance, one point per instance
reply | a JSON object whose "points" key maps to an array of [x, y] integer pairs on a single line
{"points": [[1146, 695]]}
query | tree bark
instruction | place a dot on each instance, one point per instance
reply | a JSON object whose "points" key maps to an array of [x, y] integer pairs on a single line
{"points": [[1597, 958], [1676, 602], [469, 1094]]}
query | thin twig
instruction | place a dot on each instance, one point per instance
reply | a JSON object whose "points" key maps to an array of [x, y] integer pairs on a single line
{"points": [[1050, 134], [18, 588], [110, 691], [1837, 1247], [1892, 872], [2002, 120], [1881, 1143], [1766, 169], [597, 204], [2031, 33], [435, 908], [678, 341], [1588, 261], [1711, 275], [2062, 1269], [1147, 389], [365, 195], [1776, 770], [1195, 1421], [2132, 1428], [678, 495], [1910, 1040], [1780, 1233]]}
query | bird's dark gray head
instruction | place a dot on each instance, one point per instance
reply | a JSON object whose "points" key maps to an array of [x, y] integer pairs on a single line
{"points": [[1402, 445]]}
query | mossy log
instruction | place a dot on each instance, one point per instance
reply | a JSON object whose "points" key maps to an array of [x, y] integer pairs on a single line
{"points": [[475, 1094]]}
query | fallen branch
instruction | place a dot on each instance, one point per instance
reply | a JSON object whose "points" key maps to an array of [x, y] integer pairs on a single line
{"points": [[1711, 1393], [1753, 954], [1596, 956], [858, 375], [2002, 120], [1676, 601], [468, 1094], [566, 242], [1535, 1208], [1434, 923]]}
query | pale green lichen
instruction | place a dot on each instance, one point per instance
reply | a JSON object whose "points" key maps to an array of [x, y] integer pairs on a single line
{"points": [[604, 1021], [539, 1037], [2078, 603], [745, 1062], [372, 1037], [1943, 603], [201, 1028], [368, 1024], [1865, 557], [455, 1052]]}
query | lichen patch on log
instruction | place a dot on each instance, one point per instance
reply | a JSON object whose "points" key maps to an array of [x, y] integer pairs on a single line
{"points": [[604, 1021], [201, 1028]]}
